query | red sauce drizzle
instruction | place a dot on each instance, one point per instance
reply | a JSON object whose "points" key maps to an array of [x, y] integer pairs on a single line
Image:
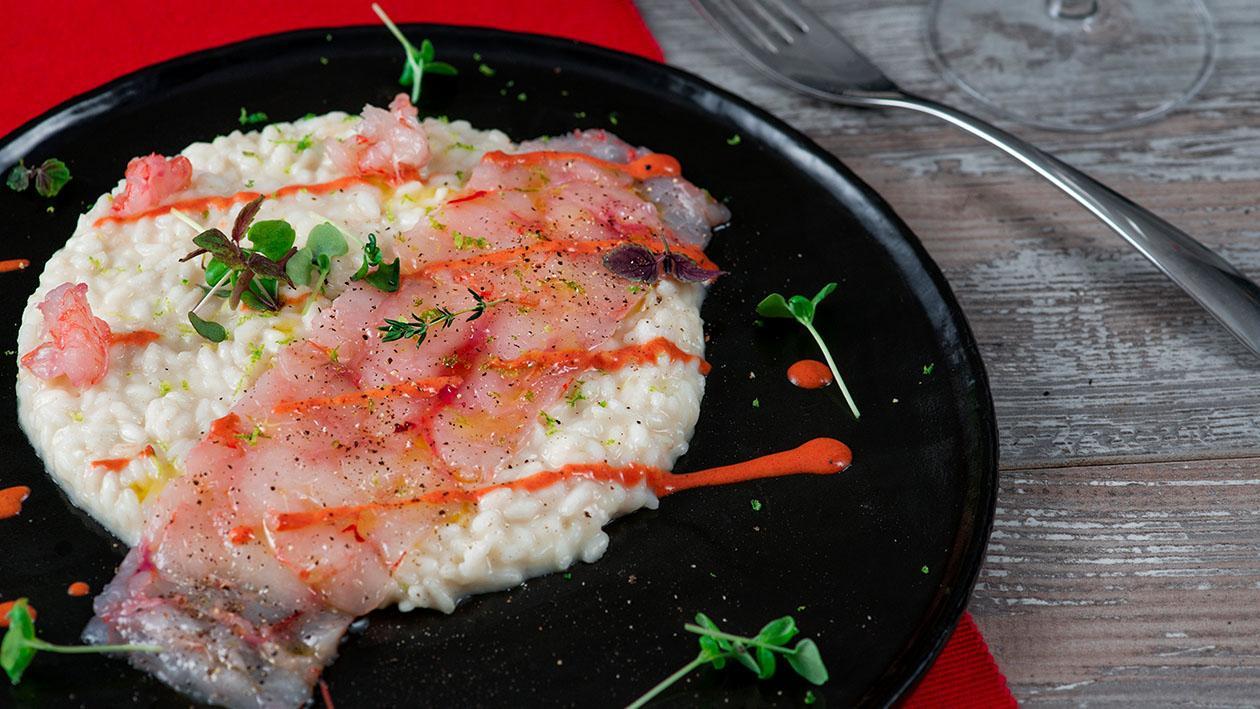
{"points": [[809, 374], [224, 431], [821, 456], [7, 606], [135, 337], [428, 387], [114, 465], [646, 167], [11, 499], [14, 264], [199, 204], [78, 588], [605, 360]]}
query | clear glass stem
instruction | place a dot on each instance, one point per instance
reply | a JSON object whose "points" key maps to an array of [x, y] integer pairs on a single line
{"points": [[1072, 9]]}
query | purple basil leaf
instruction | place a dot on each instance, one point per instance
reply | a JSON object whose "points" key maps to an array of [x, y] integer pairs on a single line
{"points": [[684, 269], [633, 261], [244, 217]]}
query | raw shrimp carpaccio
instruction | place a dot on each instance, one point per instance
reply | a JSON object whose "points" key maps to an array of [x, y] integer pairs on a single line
{"points": [[287, 524]]}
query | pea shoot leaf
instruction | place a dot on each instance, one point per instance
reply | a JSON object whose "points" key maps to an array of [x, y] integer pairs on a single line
{"points": [[416, 61], [272, 238], [312, 263], [802, 310], [779, 631], [208, 329], [15, 650], [386, 277], [774, 306], [807, 662]]}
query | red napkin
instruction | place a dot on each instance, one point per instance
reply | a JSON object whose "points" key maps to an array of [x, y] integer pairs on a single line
{"points": [[56, 49]]}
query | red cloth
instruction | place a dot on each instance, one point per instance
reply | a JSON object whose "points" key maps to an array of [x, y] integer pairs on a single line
{"points": [[964, 675], [55, 49], [52, 50]]}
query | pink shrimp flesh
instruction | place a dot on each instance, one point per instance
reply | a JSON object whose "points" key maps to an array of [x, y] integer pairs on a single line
{"points": [[151, 180], [387, 142], [78, 344]]}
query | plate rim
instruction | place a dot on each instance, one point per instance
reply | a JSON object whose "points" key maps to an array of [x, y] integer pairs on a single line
{"points": [[922, 649]]}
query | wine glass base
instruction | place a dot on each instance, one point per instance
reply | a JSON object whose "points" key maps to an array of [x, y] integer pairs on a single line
{"points": [[1128, 63]]}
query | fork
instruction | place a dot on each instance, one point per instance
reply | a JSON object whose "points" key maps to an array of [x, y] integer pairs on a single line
{"points": [[791, 44]]}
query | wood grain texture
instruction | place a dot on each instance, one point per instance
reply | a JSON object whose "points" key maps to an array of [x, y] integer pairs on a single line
{"points": [[1125, 566]]}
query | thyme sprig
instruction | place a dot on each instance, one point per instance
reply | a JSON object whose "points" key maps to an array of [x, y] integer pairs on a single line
{"points": [[758, 653], [420, 324], [20, 645]]}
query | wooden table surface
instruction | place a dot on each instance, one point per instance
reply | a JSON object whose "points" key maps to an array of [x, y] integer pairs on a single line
{"points": [[1124, 565]]}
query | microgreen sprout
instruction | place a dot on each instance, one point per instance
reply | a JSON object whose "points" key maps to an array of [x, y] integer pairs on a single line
{"points": [[758, 653], [801, 309], [418, 326], [385, 275], [49, 177], [20, 645], [253, 273], [417, 61]]}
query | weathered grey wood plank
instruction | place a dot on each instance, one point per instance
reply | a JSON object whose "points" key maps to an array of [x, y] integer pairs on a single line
{"points": [[1125, 566], [1134, 583], [1133, 370]]}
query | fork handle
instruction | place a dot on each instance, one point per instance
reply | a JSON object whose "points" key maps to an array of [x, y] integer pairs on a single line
{"points": [[1225, 292]]}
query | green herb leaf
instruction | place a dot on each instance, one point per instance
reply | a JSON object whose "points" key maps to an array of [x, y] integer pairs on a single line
{"points": [[246, 118], [765, 663], [704, 621], [802, 309], [371, 257], [50, 177], [16, 652], [216, 243], [386, 277], [20, 644], [713, 654], [774, 306], [19, 178], [807, 662], [272, 237], [826, 291], [779, 631], [416, 61], [441, 316], [758, 653], [208, 329], [312, 263]]}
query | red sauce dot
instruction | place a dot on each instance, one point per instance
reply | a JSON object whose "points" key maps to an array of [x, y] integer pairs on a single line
{"points": [[78, 588], [7, 606], [11, 499], [809, 374]]}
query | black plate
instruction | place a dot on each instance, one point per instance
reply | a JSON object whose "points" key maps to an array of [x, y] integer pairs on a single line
{"points": [[876, 564]]}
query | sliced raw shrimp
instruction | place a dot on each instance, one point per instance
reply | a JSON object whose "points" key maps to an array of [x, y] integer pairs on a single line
{"points": [[78, 345], [151, 180], [387, 142]]}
